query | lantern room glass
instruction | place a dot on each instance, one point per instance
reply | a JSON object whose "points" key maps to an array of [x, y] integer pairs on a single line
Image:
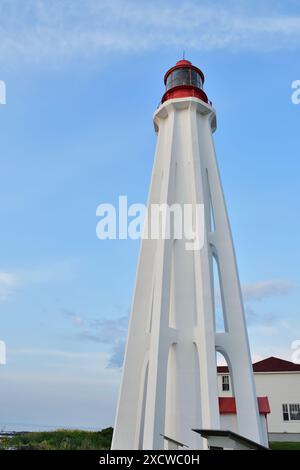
{"points": [[184, 76]]}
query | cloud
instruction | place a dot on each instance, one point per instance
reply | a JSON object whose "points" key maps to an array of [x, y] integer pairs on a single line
{"points": [[76, 319], [254, 293], [8, 284], [116, 359], [262, 290], [55, 353], [111, 332], [265, 289], [107, 331], [266, 323], [57, 271], [254, 318], [38, 30]]}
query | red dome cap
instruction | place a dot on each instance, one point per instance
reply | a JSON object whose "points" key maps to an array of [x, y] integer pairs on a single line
{"points": [[183, 62]]}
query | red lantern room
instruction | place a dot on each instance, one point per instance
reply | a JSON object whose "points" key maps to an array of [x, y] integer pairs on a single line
{"points": [[184, 80]]}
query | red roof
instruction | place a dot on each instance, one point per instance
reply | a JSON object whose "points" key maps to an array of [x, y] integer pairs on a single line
{"points": [[223, 369], [271, 364], [227, 405], [274, 364]]}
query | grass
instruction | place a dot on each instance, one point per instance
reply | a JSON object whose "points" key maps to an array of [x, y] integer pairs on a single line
{"points": [[61, 439], [284, 445]]}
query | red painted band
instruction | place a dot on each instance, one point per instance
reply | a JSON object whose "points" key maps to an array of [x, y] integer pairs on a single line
{"points": [[184, 91]]}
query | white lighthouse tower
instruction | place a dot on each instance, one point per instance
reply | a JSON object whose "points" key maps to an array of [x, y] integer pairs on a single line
{"points": [[169, 383]]}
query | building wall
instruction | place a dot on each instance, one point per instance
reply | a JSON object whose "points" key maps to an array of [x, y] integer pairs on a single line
{"points": [[229, 422], [280, 388]]}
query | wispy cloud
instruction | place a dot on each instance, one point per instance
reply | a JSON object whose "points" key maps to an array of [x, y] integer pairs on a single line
{"points": [[254, 294], [256, 318], [268, 323], [55, 353], [116, 359], [14, 280], [262, 290], [39, 30], [265, 289], [106, 330], [111, 332], [54, 271], [8, 283], [76, 319]]}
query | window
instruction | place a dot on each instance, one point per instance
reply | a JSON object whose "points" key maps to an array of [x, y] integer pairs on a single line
{"points": [[285, 412], [225, 383], [184, 76], [196, 79], [291, 412], [295, 412]]}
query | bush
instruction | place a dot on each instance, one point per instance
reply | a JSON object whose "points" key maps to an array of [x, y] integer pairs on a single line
{"points": [[62, 439]]}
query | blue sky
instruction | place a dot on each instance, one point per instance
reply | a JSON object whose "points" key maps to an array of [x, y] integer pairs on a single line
{"points": [[83, 79]]}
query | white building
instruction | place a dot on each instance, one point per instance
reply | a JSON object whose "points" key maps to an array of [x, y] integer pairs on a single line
{"points": [[279, 380]]}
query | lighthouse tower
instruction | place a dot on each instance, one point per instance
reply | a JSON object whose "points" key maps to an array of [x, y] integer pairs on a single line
{"points": [[169, 382]]}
